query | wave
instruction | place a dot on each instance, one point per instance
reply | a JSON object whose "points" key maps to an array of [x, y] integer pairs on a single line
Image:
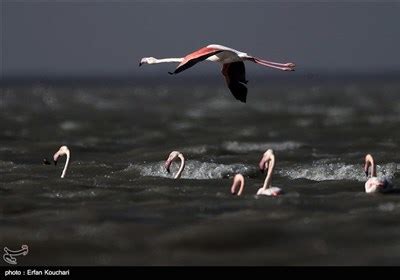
{"points": [[193, 170], [322, 171]]}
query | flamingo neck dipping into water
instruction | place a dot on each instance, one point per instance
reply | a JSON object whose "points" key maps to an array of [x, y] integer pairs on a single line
{"points": [[267, 162], [232, 65], [61, 152], [374, 184], [172, 156], [238, 181]]}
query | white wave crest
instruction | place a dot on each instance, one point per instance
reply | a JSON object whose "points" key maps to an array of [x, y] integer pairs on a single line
{"points": [[193, 170], [322, 171]]}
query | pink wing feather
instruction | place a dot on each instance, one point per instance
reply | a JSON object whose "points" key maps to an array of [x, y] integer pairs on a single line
{"points": [[195, 57]]}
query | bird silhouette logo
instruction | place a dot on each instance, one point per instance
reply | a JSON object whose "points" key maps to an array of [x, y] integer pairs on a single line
{"points": [[9, 256]]}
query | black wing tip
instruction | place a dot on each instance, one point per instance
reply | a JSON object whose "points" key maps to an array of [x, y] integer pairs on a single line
{"points": [[242, 98], [171, 73], [239, 91]]}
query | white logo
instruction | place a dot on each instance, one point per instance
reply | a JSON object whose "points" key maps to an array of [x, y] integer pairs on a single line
{"points": [[10, 254]]}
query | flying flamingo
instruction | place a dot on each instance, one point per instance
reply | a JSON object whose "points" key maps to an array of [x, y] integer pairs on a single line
{"points": [[172, 156], [61, 152], [232, 65], [374, 184], [267, 162]]}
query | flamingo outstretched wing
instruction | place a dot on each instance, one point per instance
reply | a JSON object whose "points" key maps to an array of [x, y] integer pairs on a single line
{"points": [[235, 77], [195, 57]]}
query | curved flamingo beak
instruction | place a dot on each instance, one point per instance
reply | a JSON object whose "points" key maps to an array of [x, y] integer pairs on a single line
{"points": [[140, 64], [262, 165], [167, 165], [366, 167]]}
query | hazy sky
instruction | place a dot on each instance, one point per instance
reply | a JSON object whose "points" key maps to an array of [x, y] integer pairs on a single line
{"points": [[110, 37]]}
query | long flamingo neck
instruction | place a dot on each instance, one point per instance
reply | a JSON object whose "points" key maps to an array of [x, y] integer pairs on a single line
{"points": [[178, 174], [241, 186], [238, 180], [172, 59], [268, 179], [373, 168], [66, 166], [370, 161], [276, 65]]}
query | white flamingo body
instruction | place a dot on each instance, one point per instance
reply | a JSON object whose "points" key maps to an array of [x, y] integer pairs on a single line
{"points": [[375, 184], [233, 67], [228, 55], [271, 191], [172, 156]]}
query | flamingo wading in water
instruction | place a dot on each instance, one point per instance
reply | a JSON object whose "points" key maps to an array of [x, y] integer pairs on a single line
{"points": [[267, 163], [232, 65], [172, 156], [374, 184], [61, 152]]}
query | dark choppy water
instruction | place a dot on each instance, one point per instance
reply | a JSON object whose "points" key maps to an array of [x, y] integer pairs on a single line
{"points": [[118, 206]]}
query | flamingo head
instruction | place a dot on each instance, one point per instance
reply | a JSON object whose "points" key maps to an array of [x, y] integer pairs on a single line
{"points": [[172, 156], [147, 60], [61, 152], [263, 165], [291, 66]]}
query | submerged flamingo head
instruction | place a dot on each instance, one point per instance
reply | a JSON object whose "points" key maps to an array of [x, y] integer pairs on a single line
{"points": [[172, 156], [263, 165], [61, 152]]}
